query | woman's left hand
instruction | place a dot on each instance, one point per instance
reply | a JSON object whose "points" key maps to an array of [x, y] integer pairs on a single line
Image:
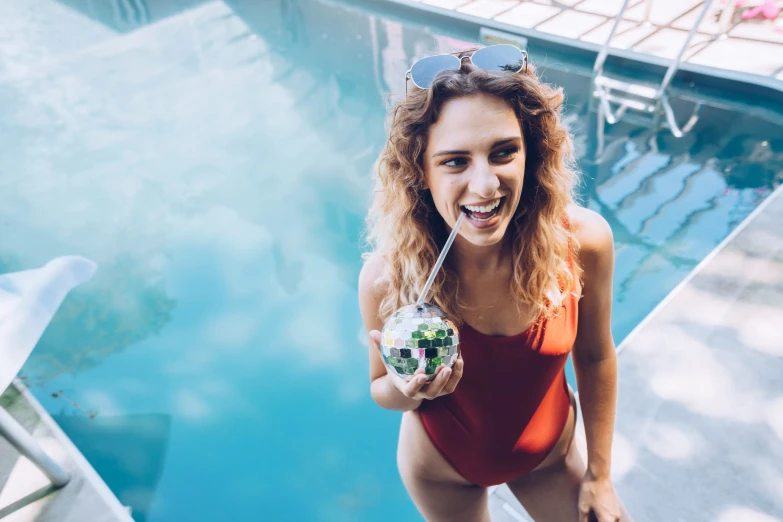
{"points": [[597, 497]]}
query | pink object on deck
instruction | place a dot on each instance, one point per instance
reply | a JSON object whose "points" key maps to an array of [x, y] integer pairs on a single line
{"points": [[768, 10]]}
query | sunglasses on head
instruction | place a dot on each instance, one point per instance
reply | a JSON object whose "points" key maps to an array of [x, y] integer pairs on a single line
{"points": [[499, 57]]}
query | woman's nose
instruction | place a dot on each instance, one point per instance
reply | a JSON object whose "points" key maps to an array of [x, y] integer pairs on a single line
{"points": [[484, 182]]}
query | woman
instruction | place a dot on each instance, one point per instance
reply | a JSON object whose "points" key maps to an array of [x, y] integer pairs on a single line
{"points": [[528, 280]]}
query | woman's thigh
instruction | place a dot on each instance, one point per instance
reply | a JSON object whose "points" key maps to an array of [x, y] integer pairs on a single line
{"points": [[550, 493], [438, 491]]}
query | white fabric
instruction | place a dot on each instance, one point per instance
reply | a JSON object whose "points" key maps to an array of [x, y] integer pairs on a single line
{"points": [[28, 301]]}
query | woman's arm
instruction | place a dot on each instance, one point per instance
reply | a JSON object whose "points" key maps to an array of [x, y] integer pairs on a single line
{"points": [[594, 357], [383, 392]]}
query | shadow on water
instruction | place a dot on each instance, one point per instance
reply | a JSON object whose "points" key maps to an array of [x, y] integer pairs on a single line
{"points": [[133, 472]]}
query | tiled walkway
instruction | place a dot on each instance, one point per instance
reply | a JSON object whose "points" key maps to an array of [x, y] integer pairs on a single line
{"points": [[748, 46]]}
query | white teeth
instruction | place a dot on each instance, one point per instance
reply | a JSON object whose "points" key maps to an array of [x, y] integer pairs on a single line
{"points": [[488, 208]]}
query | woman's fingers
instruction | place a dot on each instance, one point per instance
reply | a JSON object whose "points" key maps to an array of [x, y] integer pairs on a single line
{"points": [[415, 384], [417, 387], [456, 375], [375, 336], [435, 388]]}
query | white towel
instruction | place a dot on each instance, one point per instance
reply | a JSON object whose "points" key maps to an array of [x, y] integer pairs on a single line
{"points": [[28, 301]]}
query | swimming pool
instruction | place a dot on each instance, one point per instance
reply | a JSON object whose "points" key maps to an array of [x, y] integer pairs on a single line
{"points": [[214, 159]]}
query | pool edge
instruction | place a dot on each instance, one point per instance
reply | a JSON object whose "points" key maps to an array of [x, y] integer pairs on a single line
{"points": [[81, 462], [699, 267], [712, 77]]}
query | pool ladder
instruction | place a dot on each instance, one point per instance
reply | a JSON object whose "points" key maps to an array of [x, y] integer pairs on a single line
{"points": [[616, 97]]}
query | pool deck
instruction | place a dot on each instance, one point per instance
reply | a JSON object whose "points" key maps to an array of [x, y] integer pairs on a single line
{"points": [[746, 49], [26, 494], [699, 431]]}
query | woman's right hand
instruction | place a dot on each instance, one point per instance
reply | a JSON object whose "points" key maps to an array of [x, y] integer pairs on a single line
{"points": [[415, 386]]}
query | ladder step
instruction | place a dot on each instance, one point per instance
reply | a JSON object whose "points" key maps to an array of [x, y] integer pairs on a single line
{"points": [[631, 103], [643, 91]]}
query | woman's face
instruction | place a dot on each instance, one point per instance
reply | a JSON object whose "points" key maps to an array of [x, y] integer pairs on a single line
{"points": [[475, 163]]}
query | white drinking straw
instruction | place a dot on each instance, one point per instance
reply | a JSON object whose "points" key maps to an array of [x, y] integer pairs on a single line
{"points": [[441, 257]]}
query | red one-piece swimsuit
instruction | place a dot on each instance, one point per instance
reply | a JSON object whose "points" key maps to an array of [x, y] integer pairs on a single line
{"points": [[512, 403]]}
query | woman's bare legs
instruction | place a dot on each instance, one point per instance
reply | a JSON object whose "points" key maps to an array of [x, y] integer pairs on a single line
{"points": [[550, 492], [438, 491]]}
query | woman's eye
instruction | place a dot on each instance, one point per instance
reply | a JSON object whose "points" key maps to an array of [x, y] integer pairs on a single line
{"points": [[505, 153], [508, 152], [446, 163]]}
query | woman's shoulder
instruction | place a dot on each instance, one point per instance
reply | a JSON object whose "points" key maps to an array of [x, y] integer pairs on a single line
{"points": [[371, 273], [593, 235]]}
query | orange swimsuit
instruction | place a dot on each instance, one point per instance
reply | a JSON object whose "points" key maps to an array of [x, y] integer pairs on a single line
{"points": [[512, 403]]}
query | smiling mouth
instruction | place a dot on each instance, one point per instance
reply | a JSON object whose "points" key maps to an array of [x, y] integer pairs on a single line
{"points": [[481, 213]]}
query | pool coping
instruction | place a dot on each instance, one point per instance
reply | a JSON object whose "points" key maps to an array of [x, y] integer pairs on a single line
{"points": [[710, 78], [699, 267], [78, 459]]}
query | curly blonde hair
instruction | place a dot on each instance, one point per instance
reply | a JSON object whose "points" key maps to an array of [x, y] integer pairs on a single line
{"points": [[405, 229]]}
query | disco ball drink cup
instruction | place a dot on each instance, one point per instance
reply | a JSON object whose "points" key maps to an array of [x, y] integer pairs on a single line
{"points": [[419, 335]]}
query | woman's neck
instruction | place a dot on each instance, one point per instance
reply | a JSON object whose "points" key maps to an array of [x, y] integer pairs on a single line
{"points": [[469, 259]]}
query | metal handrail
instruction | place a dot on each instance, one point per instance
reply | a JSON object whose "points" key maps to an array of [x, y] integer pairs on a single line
{"points": [[603, 54], [17, 436], [676, 130], [659, 97], [676, 63], [599, 62], [611, 117]]}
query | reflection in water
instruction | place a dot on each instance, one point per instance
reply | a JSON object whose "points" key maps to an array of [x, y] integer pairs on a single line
{"points": [[124, 304], [216, 163], [125, 16]]}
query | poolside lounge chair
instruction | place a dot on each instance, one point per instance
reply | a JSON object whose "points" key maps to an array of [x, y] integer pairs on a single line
{"points": [[28, 301]]}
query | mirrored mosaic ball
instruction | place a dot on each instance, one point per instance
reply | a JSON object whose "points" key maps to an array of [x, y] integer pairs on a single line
{"points": [[419, 336]]}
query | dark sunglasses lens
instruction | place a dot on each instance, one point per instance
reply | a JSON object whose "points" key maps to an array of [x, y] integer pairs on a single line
{"points": [[500, 57], [425, 70]]}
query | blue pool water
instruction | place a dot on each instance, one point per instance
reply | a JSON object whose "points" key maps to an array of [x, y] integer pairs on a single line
{"points": [[214, 159]]}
